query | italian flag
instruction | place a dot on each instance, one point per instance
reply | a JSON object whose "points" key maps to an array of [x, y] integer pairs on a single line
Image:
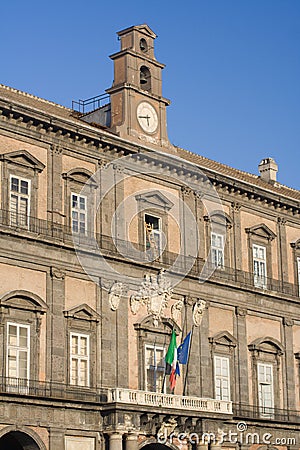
{"points": [[172, 366]]}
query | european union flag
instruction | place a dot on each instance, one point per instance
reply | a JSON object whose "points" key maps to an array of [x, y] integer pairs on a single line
{"points": [[183, 350]]}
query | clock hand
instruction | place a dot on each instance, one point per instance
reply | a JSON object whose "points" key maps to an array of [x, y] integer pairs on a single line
{"points": [[145, 117]]}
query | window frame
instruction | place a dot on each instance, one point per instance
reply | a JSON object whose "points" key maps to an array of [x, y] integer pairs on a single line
{"points": [[259, 280], [19, 195], [218, 249], [79, 358], [17, 378], [222, 358], [265, 411], [77, 210], [154, 347], [155, 232]]}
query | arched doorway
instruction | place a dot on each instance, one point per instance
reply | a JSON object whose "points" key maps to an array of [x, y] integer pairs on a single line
{"points": [[16, 440]]}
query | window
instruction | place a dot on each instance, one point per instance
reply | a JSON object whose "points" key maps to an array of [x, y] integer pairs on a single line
{"points": [[260, 266], [265, 389], [153, 234], [217, 250], [155, 368], [18, 351], [222, 378], [78, 213], [19, 201], [79, 370]]}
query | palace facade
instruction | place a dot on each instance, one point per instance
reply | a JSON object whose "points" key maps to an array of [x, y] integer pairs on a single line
{"points": [[110, 238]]}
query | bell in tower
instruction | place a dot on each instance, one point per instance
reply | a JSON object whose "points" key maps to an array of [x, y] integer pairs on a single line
{"points": [[138, 110]]}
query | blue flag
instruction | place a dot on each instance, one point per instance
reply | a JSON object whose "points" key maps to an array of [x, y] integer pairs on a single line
{"points": [[183, 350]]}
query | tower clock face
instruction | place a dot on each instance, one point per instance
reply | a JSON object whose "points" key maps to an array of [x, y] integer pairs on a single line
{"points": [[147, 117]]}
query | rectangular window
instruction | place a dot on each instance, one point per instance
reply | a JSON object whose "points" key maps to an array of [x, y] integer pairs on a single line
{"points": [[265, 389], [79, 370], [18, 351], [298, 267], [153, 233], [19, 196], [222, 378], [155, 368], [78, 214], [217, 250], [259, 266]]}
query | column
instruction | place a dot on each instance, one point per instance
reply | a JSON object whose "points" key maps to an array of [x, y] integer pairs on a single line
{"points": [[131, 442], [115, 441], [202, 445]]}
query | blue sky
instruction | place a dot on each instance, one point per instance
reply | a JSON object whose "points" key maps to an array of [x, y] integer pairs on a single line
{"points": [[232, 68]]}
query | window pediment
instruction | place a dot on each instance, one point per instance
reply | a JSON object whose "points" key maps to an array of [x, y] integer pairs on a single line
{"points": [[80, 175], [23, 158], [83, 312], [224, 338], [165, 326], [155, 199], [262, 231], [23, 300], [267, 345]]}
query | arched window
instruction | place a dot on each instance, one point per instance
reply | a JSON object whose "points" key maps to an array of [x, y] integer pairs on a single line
{"points": [[145, 78]]}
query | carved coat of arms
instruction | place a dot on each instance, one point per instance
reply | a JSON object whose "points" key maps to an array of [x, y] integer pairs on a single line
{"points": [[155, 293]]}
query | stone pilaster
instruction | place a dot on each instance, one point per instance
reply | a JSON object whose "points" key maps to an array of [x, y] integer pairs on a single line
{"points": [[289, 364], [58, 360], [236, 235], [205, 368], [189, 229], [56, 439], [282, 250], [54, 197], [241, 374]]}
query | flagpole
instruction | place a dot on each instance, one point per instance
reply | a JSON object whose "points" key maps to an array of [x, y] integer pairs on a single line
{"points": [[187, 365], [164, 379]]}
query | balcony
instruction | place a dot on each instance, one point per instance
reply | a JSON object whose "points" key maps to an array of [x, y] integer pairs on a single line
{"points": [[154, 399], [40, 229], [19, 387]]}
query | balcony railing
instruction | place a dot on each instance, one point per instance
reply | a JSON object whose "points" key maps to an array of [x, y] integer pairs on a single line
{"points": [[109, 246], [154, 399], [251, 412]]}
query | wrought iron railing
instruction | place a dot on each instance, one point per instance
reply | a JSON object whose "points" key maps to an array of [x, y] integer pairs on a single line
{"points": [[109, 246], [90, 104], [250, 412], [53, 390]]}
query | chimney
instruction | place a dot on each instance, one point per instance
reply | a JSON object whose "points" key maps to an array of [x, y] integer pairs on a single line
{"points": [[268, 170]]}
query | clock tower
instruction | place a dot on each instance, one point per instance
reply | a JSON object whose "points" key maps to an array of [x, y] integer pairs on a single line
{"points": [[138, 110]]}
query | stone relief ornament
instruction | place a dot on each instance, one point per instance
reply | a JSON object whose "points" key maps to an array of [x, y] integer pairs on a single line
{"points": [[176, 310], [155, 293], [198, 310], [167, 428], [115, 293]]}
